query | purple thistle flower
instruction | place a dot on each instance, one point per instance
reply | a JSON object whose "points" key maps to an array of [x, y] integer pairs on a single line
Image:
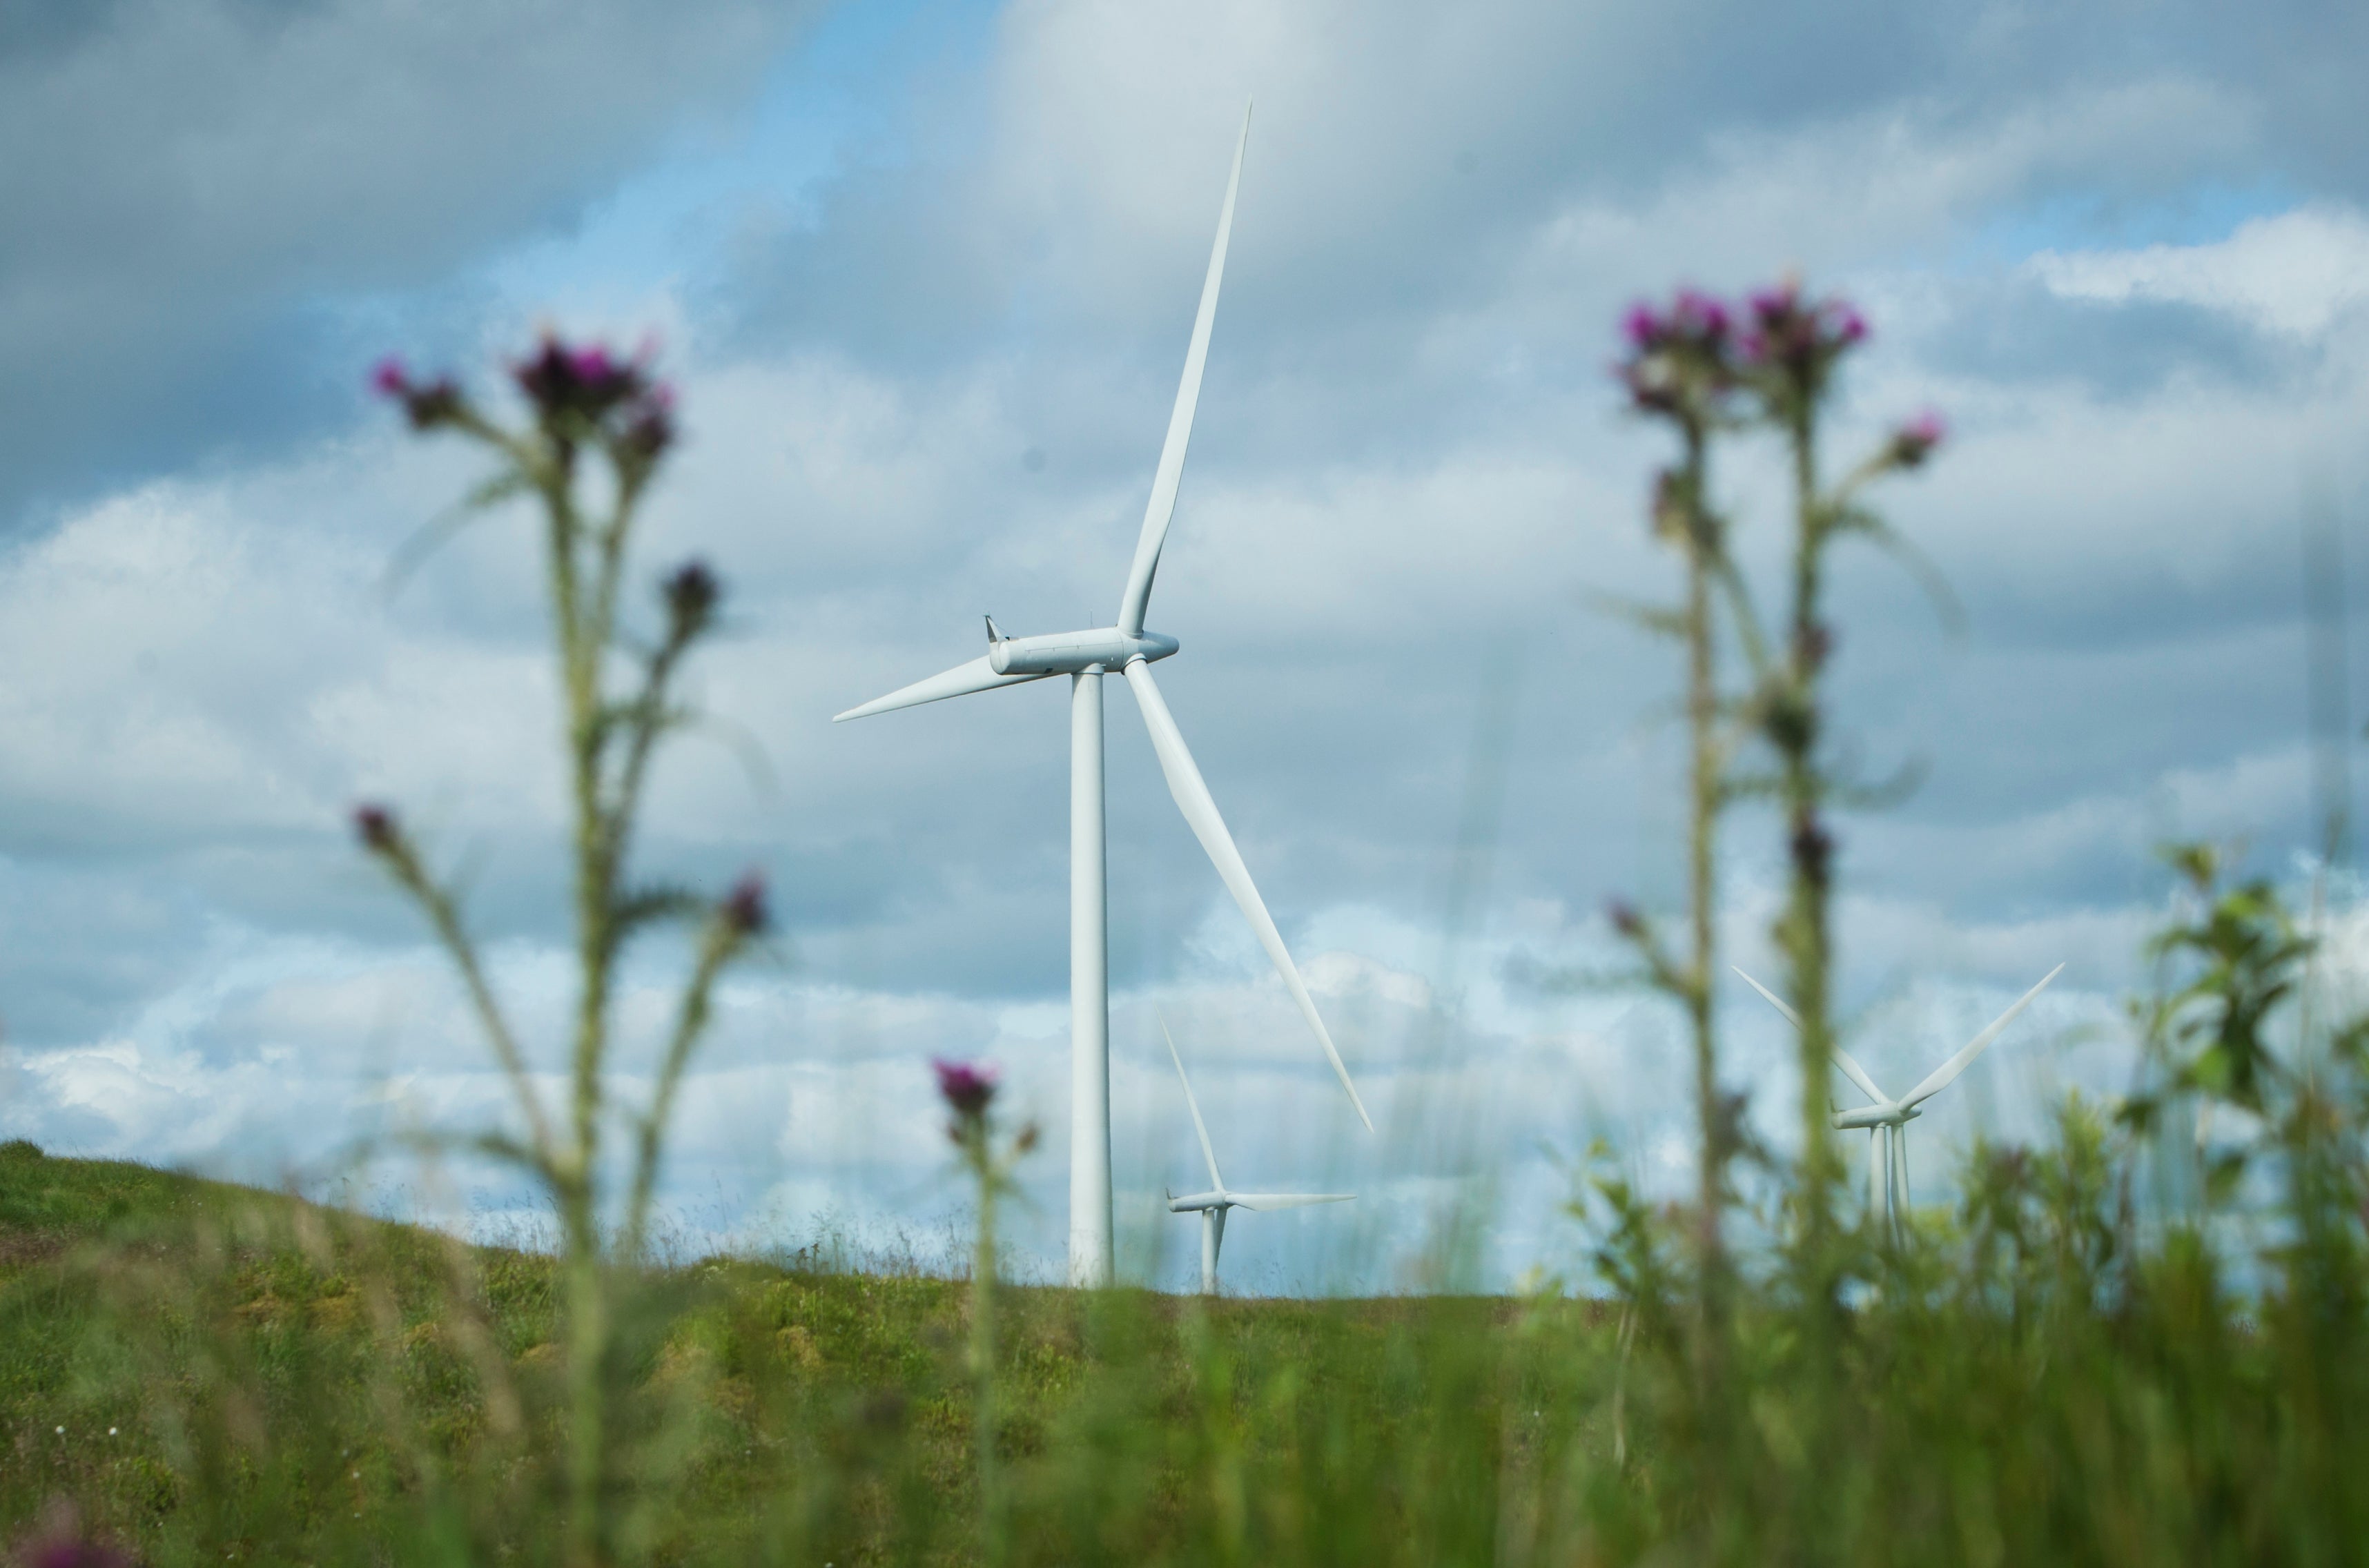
{"points": [[649, 429], [389, 379], [1642, 326], [1698, 315], [1679, 360], [588, 381], [744, 908], [590, 365], [1849, 326], [966, 1086]]}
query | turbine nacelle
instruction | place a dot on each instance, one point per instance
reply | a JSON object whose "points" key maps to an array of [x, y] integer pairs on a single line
{"points": [[1073, 653], [1198, 1201], [1875, 1116]]}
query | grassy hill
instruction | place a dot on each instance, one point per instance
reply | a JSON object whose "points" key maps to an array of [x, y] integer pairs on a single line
{"points": [[217, 1373]]}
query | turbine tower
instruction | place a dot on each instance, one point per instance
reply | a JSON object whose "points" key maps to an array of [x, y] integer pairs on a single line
{"points": [[1886, 1119], [1212, 1204], [1085, 656]]}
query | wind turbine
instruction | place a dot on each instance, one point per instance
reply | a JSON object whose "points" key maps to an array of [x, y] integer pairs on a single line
{"points": [[1887, 1120], [1212, 1204], [1085, 656]]}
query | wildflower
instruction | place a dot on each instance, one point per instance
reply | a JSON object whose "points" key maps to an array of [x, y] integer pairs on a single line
{"points": [[1679, 360], [584, 380], [690, 595], [649, 429], [375, 826], [426, 405], [1796, 340], [744, 907], [966, 1087], [1915, 441]]}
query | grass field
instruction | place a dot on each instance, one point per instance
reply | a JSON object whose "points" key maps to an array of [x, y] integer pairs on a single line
{"points": [[213, 1374]]}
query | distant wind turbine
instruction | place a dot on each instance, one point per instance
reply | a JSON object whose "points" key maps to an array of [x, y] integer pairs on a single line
{"points": [[1212, 1204], [1887, 1120], [1085, 656]]}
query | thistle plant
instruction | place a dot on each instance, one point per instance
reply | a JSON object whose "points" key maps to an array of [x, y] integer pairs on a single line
{"points": [[1711, 371], [1680, 370], [1787, 356], [597, 428], [969, 1090]]}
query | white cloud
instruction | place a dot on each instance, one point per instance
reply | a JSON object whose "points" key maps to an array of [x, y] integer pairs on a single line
{"points": [[2291, 272]]}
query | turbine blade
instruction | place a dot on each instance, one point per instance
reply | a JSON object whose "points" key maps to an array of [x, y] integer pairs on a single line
{"points": [[1171, 472], [1200, 811], [1261, 1202], [1193, 1106], [1941, 1076], [1774, 999], [1852, 1069], [961, 681]]}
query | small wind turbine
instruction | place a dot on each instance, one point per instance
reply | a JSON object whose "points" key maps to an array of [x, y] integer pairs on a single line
{"points": [[1085, 658], [1212, 1204], [1887, 1120]]}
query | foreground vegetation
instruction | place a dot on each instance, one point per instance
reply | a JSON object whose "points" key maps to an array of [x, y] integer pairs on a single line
{"points": [[214, 1374]]}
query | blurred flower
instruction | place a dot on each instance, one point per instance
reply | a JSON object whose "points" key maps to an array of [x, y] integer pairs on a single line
{"points": [[586, 381], [433, 404], [1796, 338], [1915, 441], [60, 1542], [744, 907], [1624, 918], [375, 825], [649, 427], [966, 1086], [1679, 360], [690, 595]]}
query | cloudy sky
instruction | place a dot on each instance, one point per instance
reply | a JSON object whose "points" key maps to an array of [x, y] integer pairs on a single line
{"points": [[924, 273]]}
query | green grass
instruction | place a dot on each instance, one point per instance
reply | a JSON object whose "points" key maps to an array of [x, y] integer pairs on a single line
{"points": [[290, 1384], [287, 1382]]}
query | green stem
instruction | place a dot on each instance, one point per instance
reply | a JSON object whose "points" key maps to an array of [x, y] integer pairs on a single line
{"points": [[982, 1354], [1706, 796]]}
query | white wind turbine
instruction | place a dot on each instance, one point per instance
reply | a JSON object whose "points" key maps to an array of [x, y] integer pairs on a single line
{"points": [[1887, 1120], [1212, 1204], [1085, 656]]}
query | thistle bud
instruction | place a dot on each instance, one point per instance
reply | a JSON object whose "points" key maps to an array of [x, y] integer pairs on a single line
{"points": [[1915, 441], [744, 908], [690, 595], [375, 826]]}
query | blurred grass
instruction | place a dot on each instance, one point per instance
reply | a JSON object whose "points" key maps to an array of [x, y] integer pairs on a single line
{"points": [[285, 1382], [290, 1384]]}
